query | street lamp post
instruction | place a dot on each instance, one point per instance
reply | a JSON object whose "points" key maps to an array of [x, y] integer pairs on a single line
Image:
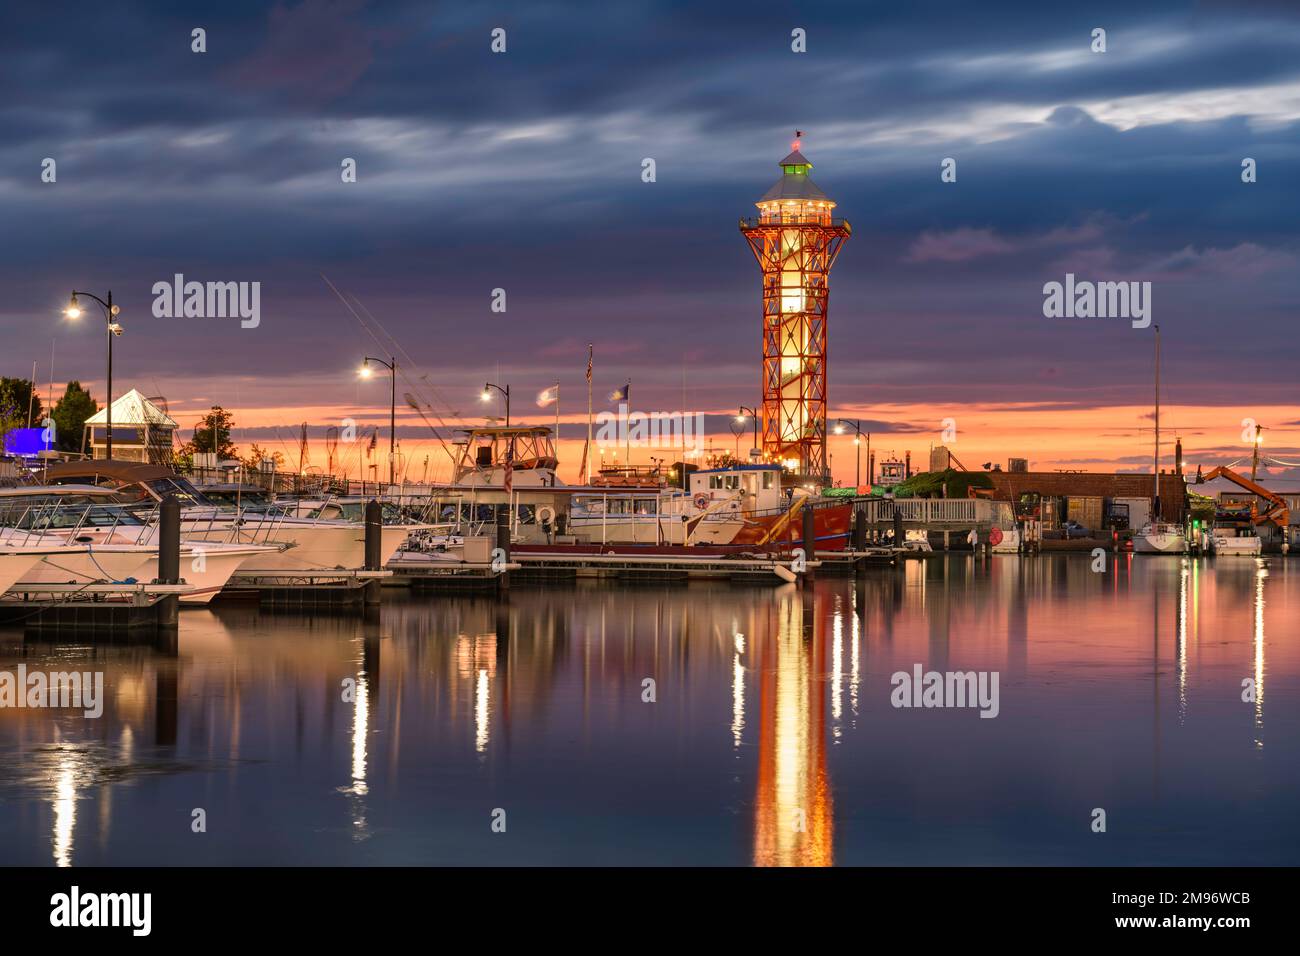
{"points": [[487, 396], [740, 417], [392, 410], [112, 328], [840, 425]]}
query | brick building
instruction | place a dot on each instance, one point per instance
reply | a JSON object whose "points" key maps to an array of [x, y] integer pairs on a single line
{"points": [[1010, 485]]}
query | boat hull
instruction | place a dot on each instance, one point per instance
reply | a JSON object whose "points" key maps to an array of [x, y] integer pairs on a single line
{"points": [[208, 567], [1160, 543], [665, 529], [831, 525], [1228, 547], [14, 564], [104, 563], [313, 547]]}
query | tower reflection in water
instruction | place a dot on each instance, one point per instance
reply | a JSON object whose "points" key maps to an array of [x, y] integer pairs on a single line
{"points": [[793, 808]]}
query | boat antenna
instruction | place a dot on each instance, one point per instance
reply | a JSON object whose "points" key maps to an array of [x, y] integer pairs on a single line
{"points": [[1156, 499]]}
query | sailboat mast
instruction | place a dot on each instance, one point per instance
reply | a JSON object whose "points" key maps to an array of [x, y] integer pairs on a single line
{"points": [[1156, 501]]}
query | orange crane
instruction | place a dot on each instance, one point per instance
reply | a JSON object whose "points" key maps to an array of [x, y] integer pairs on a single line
{"points": [[1277, 512]]}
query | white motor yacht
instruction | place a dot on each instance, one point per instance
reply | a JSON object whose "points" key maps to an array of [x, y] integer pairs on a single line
{"points": [[311, 544], [1226, 541], [78, 524], [67, 562]]}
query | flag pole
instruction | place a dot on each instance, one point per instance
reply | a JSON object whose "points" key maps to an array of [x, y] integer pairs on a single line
{"points": [[586, 456]]}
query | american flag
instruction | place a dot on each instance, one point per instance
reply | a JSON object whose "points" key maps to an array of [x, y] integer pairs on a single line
{"points": [[510, 470]]}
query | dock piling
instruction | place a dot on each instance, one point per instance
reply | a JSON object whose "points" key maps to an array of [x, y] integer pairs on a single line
{"points": [[809, 543], [169, 559], [503, 546], [374, 550]]}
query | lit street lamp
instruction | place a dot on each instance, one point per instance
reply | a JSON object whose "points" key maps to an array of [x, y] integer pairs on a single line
{"points": [[487, 397], [366, 372], [841, 425], [73, 311], [753, 414]]}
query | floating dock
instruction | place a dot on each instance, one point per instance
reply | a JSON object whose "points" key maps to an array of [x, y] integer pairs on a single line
{"points": [[110, 607], [338, 588]]}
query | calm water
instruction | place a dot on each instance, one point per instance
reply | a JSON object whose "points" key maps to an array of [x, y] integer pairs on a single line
{"points": [[1120, 691]]}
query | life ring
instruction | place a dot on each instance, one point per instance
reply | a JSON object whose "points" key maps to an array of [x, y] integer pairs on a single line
{"points": [[995, 536], [545, 514], [702, 501]]}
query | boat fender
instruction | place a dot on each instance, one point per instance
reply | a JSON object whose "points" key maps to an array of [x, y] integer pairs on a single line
{"points": [[785, 574], [546, 515], [702, 501]]}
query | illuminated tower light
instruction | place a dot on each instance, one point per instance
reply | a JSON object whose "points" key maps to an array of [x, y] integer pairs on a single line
{"points": [[796, 241]]}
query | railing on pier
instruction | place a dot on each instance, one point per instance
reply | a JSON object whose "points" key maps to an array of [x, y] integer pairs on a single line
{"points": [[928, 512]]}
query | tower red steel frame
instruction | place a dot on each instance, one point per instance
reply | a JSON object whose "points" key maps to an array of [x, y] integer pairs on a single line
{"points": [[796, 241]]}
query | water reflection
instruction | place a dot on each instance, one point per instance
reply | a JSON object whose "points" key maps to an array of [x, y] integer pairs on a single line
{"points": [[65, 809], [738, 693], [793, 822], [771, 741], [1260, 575]]}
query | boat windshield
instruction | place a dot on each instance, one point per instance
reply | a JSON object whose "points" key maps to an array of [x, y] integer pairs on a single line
{"points": [[67, 512], [185, 492], [226, 500], [356, 511]]}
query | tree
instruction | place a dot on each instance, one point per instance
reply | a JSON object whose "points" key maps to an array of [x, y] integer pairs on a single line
{"points": [[212, 433], [18, 401], [257, 454], [70, 414]]}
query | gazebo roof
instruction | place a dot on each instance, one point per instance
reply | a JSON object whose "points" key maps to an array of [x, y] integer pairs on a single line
{"points": [[133, 409]]}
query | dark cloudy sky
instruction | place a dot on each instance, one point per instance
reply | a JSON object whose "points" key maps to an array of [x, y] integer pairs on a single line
{"points": [[522, 171]]}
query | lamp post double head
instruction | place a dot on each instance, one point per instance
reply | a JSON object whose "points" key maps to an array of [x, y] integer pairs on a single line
{"points": [[112, 329], [365, 372], [842, 425]]}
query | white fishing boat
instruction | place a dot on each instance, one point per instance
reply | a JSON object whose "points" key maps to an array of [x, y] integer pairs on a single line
{"points": [[84, 517], [65, 562], [309, 544], [1227, 541], [664, 516]]}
